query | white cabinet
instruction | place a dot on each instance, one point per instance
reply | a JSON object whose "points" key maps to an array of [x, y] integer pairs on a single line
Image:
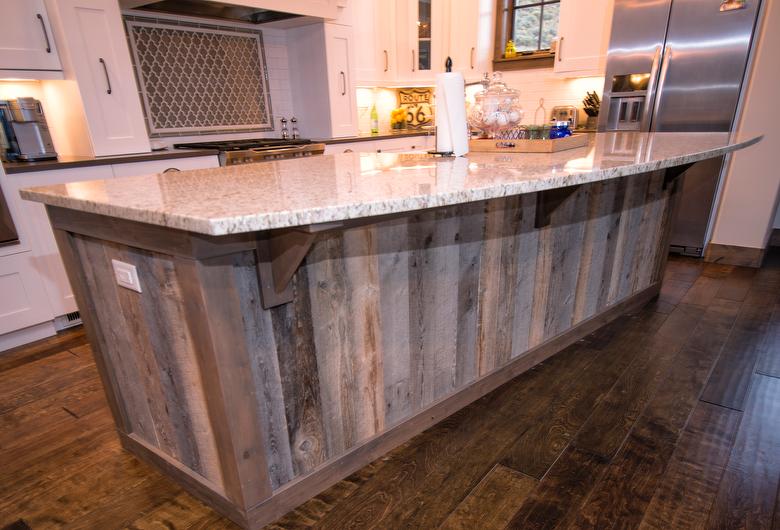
{"points": [[375, 42], [24, 302], [341, 85], [26, 39], [322, 59], [421, 34], [469, 25], [583, 37], [390, 145], [45, 256], [98, 55]]}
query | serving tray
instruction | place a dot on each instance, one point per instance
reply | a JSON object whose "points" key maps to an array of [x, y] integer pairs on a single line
{"points": [[529, 146]]}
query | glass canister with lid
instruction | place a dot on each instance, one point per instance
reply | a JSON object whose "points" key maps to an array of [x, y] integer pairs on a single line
{"points": [[496, 108]]}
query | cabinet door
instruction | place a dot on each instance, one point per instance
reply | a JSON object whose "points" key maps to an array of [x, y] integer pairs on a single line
{"points": [[469, 28], [45, 256], [26, 40], [341, 86], [374, 41], [421, 37], [101, 62], [23, 303], [583, 37]]}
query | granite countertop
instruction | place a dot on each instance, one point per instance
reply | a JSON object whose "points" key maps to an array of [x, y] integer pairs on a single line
{"points": [[384, 135], [296, 192], [65, 162]]}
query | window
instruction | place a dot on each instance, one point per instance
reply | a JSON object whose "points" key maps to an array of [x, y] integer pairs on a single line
{"points": [[533, 26]]}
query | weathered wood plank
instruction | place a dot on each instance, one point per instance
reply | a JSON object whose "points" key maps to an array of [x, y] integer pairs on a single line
{"points": [[262, 350], [327, 292], [298, 378], [362, 385], [525, 255], [394, 316], [470, 240]]}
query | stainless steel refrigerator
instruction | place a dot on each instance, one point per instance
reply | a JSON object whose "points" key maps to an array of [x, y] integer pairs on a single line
{"points": [[679, 65]]}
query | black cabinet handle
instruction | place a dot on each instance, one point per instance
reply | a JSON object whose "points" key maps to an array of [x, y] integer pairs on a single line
{"points": [[387, 61], [45, 33], [343, 83], [171, 170], [105, 71]]}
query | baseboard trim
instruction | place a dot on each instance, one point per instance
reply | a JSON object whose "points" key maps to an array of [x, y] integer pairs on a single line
{"points": [[734, 255], [27, 335]]}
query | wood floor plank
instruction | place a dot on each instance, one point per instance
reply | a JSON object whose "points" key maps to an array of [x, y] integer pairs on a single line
{"points": [[623, 494], [612, 419], [687, 270], [737, 284], [690, 483], [769, 349], [748, 490], [493, 502], [448, 461], [64, 340], [730, 379], [535, 450], [554, 503]]}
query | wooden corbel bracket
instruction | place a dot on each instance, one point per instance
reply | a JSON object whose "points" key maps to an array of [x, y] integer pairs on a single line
{"points": [[279, 254], [547, 201], [673, 172]]}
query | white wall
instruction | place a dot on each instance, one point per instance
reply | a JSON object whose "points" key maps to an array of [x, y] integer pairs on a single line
{"points": [[749, 200]]}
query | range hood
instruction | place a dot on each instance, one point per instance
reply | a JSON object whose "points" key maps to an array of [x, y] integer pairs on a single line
{"points": [[206, 8]]}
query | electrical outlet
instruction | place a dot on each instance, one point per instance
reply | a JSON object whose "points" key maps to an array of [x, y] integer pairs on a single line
{"points": [[126, 275]]}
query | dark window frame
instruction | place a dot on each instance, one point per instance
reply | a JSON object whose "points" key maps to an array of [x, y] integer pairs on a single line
{"points": [[505, 16]]}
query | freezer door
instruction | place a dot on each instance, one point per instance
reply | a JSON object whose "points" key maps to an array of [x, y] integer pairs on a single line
{"points": [[689, 229], [703, 66], [635, 46]]}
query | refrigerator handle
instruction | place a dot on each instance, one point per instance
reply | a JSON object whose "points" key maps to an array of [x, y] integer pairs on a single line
{"points": [[650, 95], [662, 80]]}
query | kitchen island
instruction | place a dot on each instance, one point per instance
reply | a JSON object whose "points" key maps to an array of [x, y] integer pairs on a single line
{"points": [[298, 319]]}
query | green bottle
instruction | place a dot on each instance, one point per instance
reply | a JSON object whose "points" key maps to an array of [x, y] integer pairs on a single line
{"points": [[374, 120]]}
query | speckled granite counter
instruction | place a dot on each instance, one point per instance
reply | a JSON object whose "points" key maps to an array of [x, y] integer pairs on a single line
{"points": [[265, 358], [346, 186]]}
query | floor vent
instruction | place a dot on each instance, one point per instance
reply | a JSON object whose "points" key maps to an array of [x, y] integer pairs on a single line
{"points": [[67, 321]]}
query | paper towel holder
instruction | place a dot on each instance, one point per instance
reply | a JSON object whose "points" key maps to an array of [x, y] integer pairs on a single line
{"points": [[447, 68]]}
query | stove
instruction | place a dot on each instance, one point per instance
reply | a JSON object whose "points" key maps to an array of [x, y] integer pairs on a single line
{"points": [[233, 152]]}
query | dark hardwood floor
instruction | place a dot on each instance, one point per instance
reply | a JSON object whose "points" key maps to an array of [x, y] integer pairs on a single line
{"points": [[668, 418]]}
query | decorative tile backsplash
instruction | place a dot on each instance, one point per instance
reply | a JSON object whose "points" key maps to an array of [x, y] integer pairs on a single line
{"points": [[199, 78]]}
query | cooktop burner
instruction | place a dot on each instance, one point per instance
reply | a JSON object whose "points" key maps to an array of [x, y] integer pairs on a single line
{"points": [[240, 145]]}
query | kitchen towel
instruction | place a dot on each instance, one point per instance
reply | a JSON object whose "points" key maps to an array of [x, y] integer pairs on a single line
{"points": [[452, 135]]}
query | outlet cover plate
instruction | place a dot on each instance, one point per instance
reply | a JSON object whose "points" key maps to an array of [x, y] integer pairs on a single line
{"points": [[126, 275]]}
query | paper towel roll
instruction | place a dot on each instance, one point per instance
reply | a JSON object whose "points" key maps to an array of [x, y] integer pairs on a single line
{"points": [[452, 133]]}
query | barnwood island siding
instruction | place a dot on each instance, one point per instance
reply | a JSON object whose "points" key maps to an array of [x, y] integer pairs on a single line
{"points": [[300, 318]]}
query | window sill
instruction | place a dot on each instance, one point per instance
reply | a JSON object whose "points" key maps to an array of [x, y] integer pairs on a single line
{"points": [[525, 62]]}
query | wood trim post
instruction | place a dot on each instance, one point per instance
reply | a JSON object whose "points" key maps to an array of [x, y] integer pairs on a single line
{"points": [[213, 314]]}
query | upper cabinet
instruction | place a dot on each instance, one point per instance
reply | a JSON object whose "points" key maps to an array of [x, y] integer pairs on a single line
{"points": [[322, 69], [583, 37], [421, 39], [27, 46], [406, 42], [375, 38], [469, 36], [99, 59]]}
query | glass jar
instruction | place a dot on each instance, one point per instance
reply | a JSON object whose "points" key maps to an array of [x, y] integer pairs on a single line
{"points": [[496, 109]]}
